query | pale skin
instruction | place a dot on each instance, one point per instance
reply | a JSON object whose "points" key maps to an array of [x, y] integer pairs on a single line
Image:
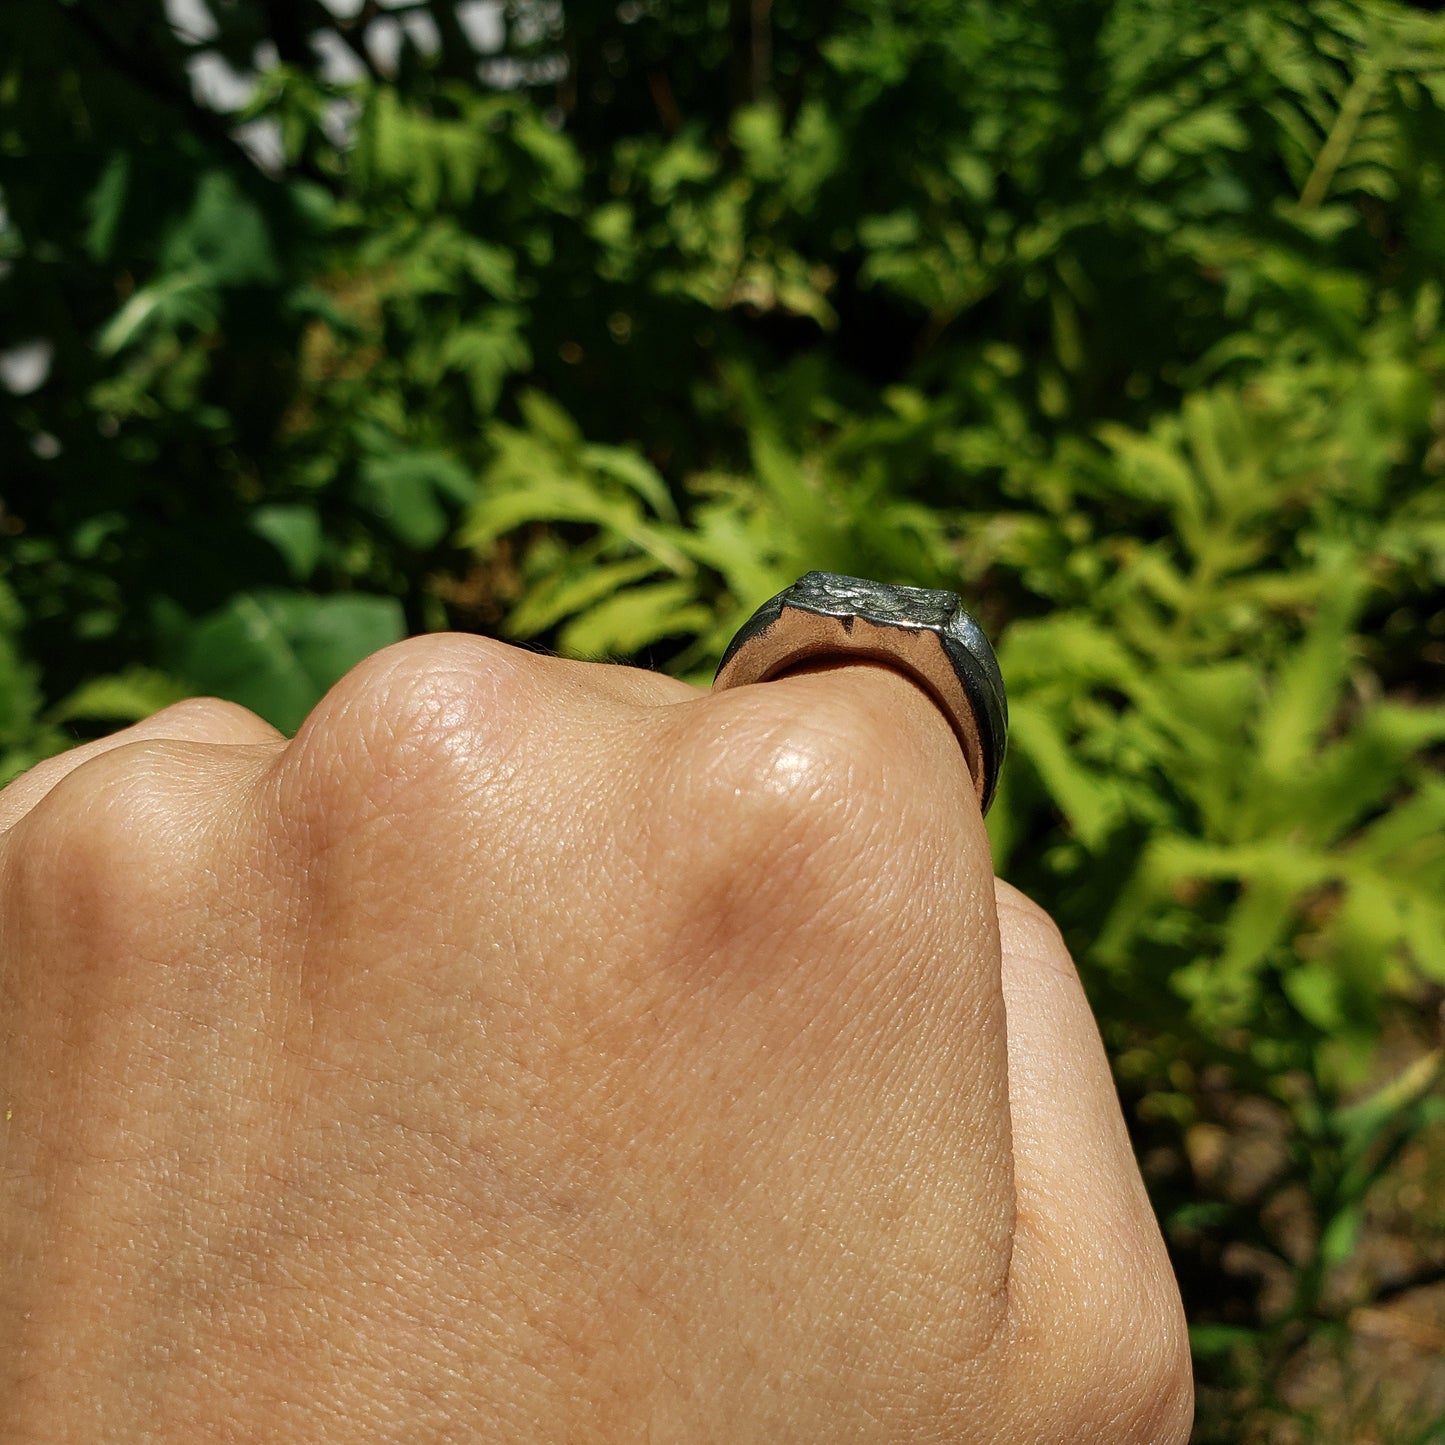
{"points": [[544, 1051]]}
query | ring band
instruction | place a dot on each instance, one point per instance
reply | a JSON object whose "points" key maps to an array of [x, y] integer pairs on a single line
{"points": [[923, 633]]}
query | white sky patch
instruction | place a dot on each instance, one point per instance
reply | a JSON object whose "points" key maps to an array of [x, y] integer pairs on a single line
{"points": [[506, 72], [261, 140], [223, 89], [192, 21], [422, 31], [339, 63], [484, 23], [23, 368], [216, 84], [383, 44]]}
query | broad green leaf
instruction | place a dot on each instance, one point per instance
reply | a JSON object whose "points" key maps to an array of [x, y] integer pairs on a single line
{"points": [[758, 133], [1351, 778], [294, 531], [1157, 471], [1259, 919], [1415, 822], [734, 537], [486, 353], [1066, 645], [19, 691], [556, 499], [278, 652], [1210, 128], [124, 697], [1314, 988], [415, 493], [548, 420], [224, 239]]}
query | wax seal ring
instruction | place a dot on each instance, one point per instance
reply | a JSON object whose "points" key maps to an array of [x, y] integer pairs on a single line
{"points": [[923, 633]]}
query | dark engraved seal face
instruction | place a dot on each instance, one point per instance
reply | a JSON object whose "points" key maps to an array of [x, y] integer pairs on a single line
{"points": [[887, 604], [882, 602]]}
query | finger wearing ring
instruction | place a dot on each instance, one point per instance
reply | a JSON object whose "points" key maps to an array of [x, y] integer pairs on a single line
{"points": [[924, 633]]}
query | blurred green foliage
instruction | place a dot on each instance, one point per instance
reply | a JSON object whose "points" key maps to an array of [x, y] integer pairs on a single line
{"points": [[1124, 317]]}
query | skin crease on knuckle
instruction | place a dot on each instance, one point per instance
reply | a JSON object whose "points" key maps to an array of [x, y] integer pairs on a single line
{"points": [[788, 851], [769, 802]]}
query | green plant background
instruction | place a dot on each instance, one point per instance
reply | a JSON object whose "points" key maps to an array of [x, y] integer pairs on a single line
{"points": [[1123, 317]]}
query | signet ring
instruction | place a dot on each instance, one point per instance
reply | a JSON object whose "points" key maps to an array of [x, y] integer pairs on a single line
{"points": [[925, 634]]}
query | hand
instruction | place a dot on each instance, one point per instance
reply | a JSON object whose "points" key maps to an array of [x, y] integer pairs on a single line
{"points": [[534, 1050]]}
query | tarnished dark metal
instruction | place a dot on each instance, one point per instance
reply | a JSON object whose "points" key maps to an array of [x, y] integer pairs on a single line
{"points": [[924, 633]]}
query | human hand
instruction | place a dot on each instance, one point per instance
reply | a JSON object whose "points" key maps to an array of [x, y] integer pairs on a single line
{"points": [[535, 1050]]}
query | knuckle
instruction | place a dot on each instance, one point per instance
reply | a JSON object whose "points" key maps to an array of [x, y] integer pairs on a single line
{"points": [[197, 719], [102, 855], [206, 719], [110, 799], [786, 781], [776, 808], [1126, 1364], [409, 726], [387, 757], [1147, 1382], [1167, 1405]]}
